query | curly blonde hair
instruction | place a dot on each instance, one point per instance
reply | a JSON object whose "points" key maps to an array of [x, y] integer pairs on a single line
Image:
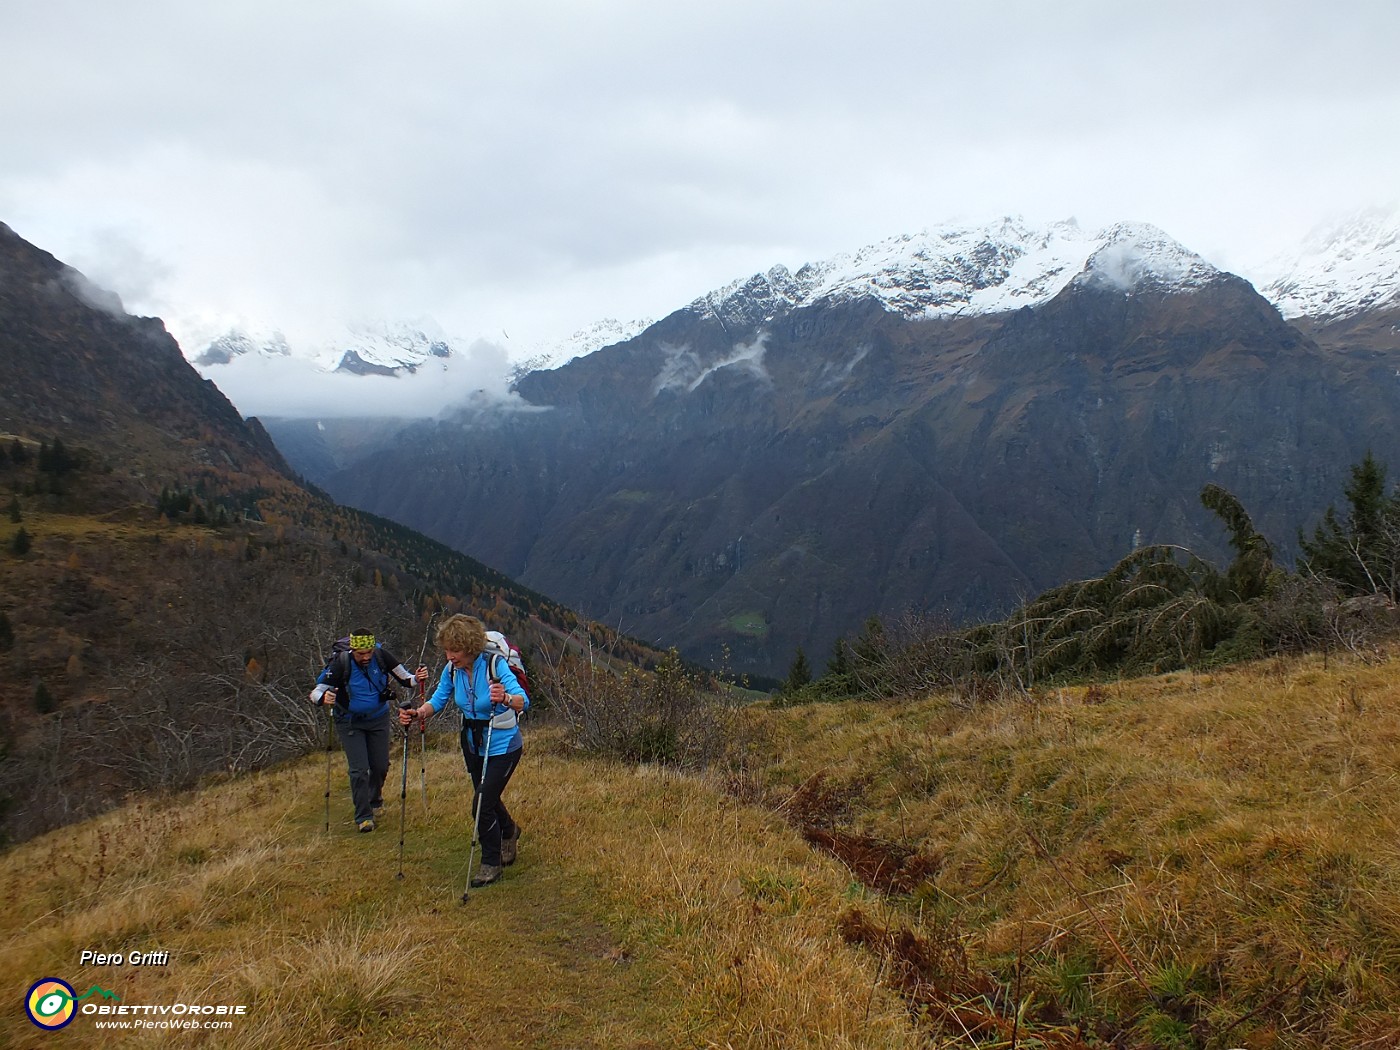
{"points": [[462, 633]]}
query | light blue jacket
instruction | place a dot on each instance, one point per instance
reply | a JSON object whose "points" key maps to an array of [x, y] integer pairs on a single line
{"points": [[472, 692]]}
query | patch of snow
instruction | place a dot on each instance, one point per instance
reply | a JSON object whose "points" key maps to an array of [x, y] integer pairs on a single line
{"points": [[585, 341], [961, 270], [1136, 254], [1342, 269], [370, 346]]}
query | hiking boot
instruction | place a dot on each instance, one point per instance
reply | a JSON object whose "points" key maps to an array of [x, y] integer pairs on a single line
{"points": [[486, 874], [366, 825], [509, 846]]}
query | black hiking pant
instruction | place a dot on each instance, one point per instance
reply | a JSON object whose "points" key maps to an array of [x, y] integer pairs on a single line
{"points": [[496, 821], [366, 744]]}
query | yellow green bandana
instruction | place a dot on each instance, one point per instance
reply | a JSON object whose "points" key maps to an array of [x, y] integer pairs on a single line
{"points": [[362, 641]]}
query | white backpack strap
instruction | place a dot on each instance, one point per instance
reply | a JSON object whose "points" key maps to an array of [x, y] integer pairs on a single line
{"points": [[506, 719]]}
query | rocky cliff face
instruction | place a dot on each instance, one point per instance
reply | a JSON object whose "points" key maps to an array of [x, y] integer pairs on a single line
{"points": [[78, 366], [773, 464]]}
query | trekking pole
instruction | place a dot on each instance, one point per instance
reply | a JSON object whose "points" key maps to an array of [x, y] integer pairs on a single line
{"points": [[423, 728], [403, 789], [423, 750], [330, 733], [476, 822]]}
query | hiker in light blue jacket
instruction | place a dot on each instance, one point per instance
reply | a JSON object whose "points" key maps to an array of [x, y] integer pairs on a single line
{"points": [[482, 684]]}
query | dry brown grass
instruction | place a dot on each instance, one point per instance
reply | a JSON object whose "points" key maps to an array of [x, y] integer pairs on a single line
{"points": [[1221, 859], [647, 910], [1185, 861]]}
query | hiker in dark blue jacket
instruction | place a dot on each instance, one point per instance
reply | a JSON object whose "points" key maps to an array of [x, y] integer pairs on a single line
{"points": [[358, 684], [491, 699]]}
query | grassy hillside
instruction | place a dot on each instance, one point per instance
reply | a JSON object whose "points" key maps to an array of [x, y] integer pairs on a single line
{"points": [[1180, 861], [152, 633], [646, 910], [168, 586], [1189, 860]]}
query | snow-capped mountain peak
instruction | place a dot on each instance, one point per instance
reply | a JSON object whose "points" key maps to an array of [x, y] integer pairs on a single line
{"points": [[1342, 269], [366, 347], [1136, 254], [958, 269], [383, 347], [240, 342], [583, 342]]}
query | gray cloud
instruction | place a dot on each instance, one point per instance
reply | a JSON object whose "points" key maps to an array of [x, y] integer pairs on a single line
{"points": [[271, 387], [533, 167]]}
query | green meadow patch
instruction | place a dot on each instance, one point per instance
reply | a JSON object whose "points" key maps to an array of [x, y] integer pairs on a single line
{"points": [[749, 624]]}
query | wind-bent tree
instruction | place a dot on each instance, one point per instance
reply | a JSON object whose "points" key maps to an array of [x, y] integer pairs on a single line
{"points": [[1248, 576]]}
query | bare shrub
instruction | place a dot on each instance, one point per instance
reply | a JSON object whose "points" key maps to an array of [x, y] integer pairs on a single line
{"points": [[211, 688], [916, 655], [1311, 613], [670, 715]]}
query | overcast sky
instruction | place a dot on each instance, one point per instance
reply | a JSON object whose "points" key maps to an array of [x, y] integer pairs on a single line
{"points": [[517, 171]]}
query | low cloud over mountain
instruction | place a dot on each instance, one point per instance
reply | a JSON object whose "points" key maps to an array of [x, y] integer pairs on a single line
{"points": [[941, 423]]}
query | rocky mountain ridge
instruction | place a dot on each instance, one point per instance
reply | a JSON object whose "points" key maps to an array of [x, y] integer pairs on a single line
{"points": [[583, 342], [953, 269], [78, 364], [963, 270], [773, 463]]}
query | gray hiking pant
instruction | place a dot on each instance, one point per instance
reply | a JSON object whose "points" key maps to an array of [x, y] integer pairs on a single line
{"points": [[366, 745]]}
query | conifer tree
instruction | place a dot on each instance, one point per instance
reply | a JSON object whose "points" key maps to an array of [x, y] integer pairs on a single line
{"points": [[55, 459], [869, 648], [1248, 575], [61, 462], [799, 673], [839, 664], [1362, 551]]}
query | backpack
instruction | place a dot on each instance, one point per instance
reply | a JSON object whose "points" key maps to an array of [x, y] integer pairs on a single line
{"points": [[339, 663], [499, 646]]}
